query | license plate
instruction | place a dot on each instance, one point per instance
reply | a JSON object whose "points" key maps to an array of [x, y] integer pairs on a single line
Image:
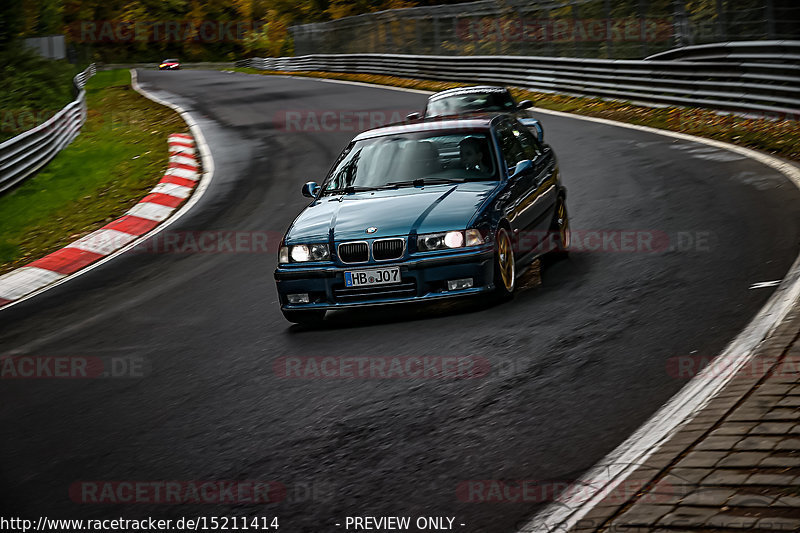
{"points": [[372, 276]]}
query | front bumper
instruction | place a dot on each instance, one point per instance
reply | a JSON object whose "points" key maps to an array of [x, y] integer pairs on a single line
{"points": [[423, 279]]}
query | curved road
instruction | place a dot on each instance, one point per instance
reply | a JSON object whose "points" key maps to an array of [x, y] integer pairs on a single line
{"points": [[577, 364]]}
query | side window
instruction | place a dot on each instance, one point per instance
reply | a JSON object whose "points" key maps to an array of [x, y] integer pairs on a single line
{"points": [[530, 145], [510, 146]]}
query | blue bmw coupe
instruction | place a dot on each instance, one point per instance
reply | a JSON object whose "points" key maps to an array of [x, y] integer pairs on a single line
{"points": [[439, 208]]}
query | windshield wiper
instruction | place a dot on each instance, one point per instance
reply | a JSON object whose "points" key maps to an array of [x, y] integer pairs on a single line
{"points": [[350, 189], [419, 182]]}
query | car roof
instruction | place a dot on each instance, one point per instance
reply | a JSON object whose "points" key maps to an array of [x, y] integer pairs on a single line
{"points": [[468, 90], [478, 121]]}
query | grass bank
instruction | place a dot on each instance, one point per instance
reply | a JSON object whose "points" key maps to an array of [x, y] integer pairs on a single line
{"points": [[120, 154], [778, 137]]}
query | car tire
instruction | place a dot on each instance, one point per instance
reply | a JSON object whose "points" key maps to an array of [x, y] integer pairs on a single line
{"points": [[559, 228], [307, 318], [505, 268]]}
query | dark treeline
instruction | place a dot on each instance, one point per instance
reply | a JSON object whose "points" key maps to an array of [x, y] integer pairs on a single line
{"points": [[148, 30]]}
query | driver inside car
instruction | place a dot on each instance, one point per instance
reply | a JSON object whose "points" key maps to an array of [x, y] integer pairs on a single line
{"points": [[473, 155]]}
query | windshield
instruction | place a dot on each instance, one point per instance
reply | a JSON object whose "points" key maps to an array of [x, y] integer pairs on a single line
{"points": [[470, 102], [414, 160]]}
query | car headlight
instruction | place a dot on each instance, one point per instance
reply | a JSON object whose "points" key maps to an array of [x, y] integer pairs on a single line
{"points": [[302, 253], [449, 240]]}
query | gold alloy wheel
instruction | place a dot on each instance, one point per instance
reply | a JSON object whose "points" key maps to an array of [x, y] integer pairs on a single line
{"points": [[563, 226], [505, 260]]}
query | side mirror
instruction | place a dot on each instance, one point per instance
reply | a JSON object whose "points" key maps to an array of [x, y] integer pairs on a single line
{"points": [[532, 123], [413, 116], [310, 189], [539, 131], [526, 165], [525, 104]]}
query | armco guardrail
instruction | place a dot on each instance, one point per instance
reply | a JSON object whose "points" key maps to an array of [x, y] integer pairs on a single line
{"points": [[22, 156], [752, 86], [736, 51], [184, 66]]}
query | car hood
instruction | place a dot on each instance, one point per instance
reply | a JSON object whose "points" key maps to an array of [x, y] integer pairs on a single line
{"points": [[393, 212]]}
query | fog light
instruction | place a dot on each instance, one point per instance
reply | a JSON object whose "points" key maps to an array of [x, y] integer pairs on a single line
{"points": [[297, 298], [458, 284]]}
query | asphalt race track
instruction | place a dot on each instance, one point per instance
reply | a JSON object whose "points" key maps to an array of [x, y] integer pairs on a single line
{"points": [[576, 365]]}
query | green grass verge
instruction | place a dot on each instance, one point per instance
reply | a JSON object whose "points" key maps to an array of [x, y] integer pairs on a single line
{"points": [[778, 137], [120, 154]]}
